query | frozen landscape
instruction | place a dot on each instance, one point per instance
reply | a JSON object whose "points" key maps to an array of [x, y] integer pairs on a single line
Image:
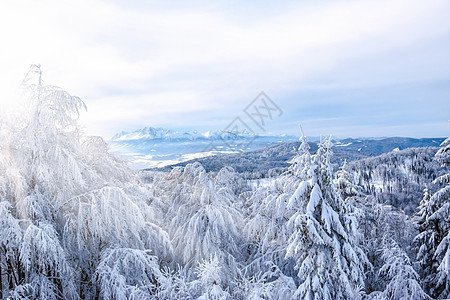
{"points": [[76, 222], [153, 148], [224, 150]]}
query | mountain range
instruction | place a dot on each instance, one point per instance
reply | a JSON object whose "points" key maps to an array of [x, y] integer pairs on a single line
{"points": [[151, 147], [151, 133], [158, 147]]}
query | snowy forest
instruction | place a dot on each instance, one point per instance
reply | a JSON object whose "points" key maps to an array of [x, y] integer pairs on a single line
{"points": [[77, 223]]}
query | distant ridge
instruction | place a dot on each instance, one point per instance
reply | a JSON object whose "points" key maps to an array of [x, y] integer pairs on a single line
{"points": [[152, 147], [277, 157], [152, 133]]}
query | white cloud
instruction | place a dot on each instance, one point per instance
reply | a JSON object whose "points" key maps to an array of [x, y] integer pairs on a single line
{"points": [[134, 63]]}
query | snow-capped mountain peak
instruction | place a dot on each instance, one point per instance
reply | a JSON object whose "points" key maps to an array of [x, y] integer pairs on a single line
{"points": [[152, 133]]}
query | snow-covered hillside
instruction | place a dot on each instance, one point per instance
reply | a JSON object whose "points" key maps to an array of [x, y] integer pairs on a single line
{"points": [[77, 223]]}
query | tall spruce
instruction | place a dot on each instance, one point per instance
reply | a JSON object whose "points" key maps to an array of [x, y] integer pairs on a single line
{"points": [[330, 263], [434, 237]]}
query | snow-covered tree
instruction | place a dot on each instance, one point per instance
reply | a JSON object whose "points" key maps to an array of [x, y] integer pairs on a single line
{"points": [[381, 226], [206, 222], [397, 178], [400, 279], [229, 183], [45, 263], [210, 276], [302, 169], [11, 236], [345, 184], [64, 201], [125, 273], [76, 223], [301, 162], [434, 237], [298, 170], [200, 212], [330, 263], [270, 208], [269, 285]]}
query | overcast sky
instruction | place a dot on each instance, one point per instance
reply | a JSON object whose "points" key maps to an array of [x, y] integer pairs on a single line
{"points": [[346, 68]]}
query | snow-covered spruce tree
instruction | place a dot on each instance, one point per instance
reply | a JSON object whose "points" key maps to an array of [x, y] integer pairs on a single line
{"points": [[378, 223], [330, 263], [434, 237], [399, 277], [298, 170], [269, 208], [345, 184], [301, 168], [301, 162]]}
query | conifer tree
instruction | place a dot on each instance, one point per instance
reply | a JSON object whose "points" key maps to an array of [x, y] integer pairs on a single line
{"points": [[330, 263], [399, 277], [345, 184], [434, 237]]}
